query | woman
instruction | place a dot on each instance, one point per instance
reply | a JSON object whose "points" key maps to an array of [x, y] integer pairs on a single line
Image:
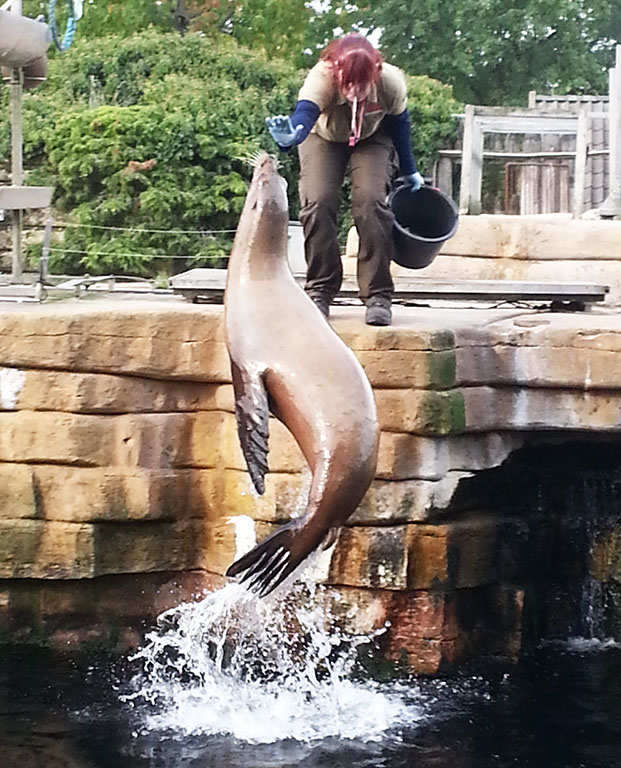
{"points": [[351, 109]]}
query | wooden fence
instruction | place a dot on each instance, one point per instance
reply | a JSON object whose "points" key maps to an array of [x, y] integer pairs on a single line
{"points": [[560, 154]]}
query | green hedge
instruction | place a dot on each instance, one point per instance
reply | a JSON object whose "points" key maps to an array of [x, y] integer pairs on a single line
{"points": [[153, 132]]}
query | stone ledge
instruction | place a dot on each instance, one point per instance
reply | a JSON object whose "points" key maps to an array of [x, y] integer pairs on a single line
{"points": [[401, 369], [407, 456], [147, 339], [547, 237], [490, 409], [101, 393], [422, 412], [83, 494], [577, 333], [111, 611], [41, 549], [533, 366]]}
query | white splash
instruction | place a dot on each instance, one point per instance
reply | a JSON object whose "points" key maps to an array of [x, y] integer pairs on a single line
{"points": [[590, 644], [11, 384], [260, 671], [245, 534]]}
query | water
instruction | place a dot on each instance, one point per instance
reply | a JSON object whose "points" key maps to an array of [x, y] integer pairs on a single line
{"points": [[286, 693], [260, 671]]}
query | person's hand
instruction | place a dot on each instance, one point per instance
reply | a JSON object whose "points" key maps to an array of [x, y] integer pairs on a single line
{"points": [[282, 130], [414, 180]]}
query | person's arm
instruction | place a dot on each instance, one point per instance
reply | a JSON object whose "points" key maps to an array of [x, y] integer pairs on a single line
{"points": [[399, 130], [287, 132]]}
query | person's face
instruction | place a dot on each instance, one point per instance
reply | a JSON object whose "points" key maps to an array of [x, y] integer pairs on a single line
{"points": [[353, 91]]}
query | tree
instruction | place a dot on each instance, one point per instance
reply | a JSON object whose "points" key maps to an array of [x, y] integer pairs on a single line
{"points": [[495, 51], [109, 17], [294, 30]]}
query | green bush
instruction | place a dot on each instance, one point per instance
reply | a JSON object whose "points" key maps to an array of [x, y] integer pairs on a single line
{"points": [[432, 110], [146, 140]]}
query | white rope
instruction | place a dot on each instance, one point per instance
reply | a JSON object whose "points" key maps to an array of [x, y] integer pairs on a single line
{"points": [[137, 255], [155, 231]]}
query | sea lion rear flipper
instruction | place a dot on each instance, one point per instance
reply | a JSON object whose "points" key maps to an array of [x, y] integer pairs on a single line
{"points": [[252, 414], [276, 557]]}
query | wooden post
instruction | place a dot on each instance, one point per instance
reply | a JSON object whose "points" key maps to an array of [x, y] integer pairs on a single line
{"points": [[582, 148], [443, 175], [476, 167], [615, 134], [611, 207], [466, 160]]}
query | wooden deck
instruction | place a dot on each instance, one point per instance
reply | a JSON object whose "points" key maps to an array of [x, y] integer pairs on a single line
{"points": [[207, 285]]}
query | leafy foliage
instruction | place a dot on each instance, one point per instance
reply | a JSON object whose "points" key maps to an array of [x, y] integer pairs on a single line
{"points": [[289, 29], [151, 133], [495, 51], [145, 137], [432, 110]]}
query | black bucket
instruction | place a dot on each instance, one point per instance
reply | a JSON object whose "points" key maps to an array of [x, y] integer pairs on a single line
{"points": [[424, 220]]}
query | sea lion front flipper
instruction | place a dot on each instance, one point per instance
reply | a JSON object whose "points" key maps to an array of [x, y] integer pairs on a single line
{"points": [[252, 414]]}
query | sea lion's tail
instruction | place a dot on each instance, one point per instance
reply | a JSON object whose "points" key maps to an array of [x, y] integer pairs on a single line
{"points": [[267, 565]]}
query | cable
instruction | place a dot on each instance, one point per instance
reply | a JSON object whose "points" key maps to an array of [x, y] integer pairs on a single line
{"points": [[138, 255], [63, 44], [154, 231]]}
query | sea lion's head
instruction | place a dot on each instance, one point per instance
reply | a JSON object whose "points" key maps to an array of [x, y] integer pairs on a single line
{"points": [[268, 189], [265, 216]]}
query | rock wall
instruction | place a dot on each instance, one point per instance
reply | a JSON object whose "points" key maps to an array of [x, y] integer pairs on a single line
{"points": [[121, 473], [551, 248]]}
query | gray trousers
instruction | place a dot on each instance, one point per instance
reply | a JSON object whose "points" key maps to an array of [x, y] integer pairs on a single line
{"points": [[323, 164]]}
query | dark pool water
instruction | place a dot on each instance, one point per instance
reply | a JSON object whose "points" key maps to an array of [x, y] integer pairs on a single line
{"points": [[558, 709]]}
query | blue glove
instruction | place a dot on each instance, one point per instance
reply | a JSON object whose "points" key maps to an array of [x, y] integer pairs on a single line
{"points": [[282, 130], [414, 180]]}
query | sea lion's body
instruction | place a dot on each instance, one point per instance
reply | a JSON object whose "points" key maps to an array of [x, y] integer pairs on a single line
{"points": [[286, 359]]}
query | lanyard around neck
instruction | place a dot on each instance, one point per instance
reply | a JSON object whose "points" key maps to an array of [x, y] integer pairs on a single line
{"points": [[357, 116]]}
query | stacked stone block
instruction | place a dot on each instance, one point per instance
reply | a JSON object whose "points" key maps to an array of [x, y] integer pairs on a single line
{"points": [[121, 473]]}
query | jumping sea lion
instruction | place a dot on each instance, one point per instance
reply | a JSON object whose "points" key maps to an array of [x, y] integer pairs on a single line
{"points": [[285, 358]]}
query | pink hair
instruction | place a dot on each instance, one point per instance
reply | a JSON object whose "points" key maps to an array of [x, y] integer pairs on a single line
{"points": [[358, 61]]}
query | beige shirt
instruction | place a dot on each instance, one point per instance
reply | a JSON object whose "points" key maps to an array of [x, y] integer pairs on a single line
{"points": [[387, 97]]}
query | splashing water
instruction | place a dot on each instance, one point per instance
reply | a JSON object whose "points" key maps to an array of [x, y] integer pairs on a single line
{"points": [[261, 671]]}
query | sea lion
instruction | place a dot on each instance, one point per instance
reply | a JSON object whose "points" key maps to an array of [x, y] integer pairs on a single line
{"points": [[287, 360]]}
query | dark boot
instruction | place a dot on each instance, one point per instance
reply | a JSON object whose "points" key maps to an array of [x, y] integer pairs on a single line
{"points": [[378, 311]]}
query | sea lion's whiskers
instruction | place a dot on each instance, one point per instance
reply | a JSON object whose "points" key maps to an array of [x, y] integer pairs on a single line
{"points": [[253, 159]]}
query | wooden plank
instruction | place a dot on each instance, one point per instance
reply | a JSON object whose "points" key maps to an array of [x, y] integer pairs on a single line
{"points": [[466, 162], [476, 168], [20, 198], [529, 124], [210, 284], [582, 144]]}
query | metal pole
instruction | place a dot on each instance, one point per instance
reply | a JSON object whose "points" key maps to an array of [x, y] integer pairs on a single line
{"points": [[45, 250], [17, 169]]}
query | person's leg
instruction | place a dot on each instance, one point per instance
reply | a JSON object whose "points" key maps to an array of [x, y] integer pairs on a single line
{"points": [[322, 169], [373, 166]]}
